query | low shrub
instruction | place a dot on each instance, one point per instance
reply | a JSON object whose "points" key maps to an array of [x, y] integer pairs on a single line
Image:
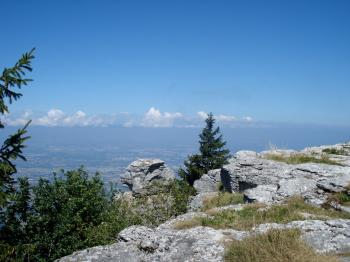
{"points": [[73, 211]]}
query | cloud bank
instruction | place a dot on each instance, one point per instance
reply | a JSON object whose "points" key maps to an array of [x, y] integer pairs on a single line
{"points": [[153, 118]]}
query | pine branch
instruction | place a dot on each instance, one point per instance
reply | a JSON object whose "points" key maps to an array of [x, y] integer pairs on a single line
{"points": [[14, 77]]}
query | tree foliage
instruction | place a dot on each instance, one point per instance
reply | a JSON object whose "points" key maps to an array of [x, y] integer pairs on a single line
{"points": [[73, 211], [53, 218], [212, 153], [11, 149]]}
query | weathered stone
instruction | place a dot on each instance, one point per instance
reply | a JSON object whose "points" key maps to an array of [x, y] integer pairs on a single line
{"points": [[343, 158], [330, 236], [269, 181], [196, 202], [139, 243], [208, 182], [260, 180], [295, 186], [141, 173], [261, 193]]}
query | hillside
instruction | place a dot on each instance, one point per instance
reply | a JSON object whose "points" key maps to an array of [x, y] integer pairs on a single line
{"points": [[275, 205]]}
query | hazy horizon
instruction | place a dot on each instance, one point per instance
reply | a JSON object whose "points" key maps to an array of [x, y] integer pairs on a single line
{"points": [[110, 149]]}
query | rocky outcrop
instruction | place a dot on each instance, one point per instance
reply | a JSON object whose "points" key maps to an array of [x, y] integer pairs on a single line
{"points": [[261, 180], [142, 173], [139, 243], [208, 182], [331, 236], [340, 154], [270, 181], [197, 201]]}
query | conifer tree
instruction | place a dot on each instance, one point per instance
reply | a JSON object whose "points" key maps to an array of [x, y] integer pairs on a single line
{"points": [[11, 149], [212, 153]]}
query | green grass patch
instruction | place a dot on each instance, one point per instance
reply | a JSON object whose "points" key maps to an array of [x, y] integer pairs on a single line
{"points": [[274, 246], [253, 215], [222, 199], [302, 159], [335, 151]]}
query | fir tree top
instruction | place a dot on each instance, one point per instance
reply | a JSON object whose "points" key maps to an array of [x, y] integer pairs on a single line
{"points": [[211, 146]]}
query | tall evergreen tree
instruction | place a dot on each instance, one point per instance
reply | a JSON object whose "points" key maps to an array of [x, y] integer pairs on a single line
{"points": [[14, 202], [212, 153], [12, 147]]}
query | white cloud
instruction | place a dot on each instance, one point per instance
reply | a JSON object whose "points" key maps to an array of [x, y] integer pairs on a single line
{"points": [[225, 118], [53, 117], [56, 117], [248, 118], [18, 121], [155, 118], [203, 115], [220, 118], [152, 118]]}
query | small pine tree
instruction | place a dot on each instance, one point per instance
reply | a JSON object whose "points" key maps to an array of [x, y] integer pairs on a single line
{"points": [[212, 153]]}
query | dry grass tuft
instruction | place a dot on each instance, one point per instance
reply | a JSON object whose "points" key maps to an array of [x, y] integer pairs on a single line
{"points": [[252, 215], [301, 159], [335, 151], [274, 246], [222, 199]]}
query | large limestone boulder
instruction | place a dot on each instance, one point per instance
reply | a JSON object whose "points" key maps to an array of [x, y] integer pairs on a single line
{"points": [[270, 181], [208, 182], [142, 173]]}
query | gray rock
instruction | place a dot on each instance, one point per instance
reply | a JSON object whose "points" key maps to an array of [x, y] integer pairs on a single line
{"points": [[335, 184], [208, 182], [196, 202], [261, 193], [344, 159], [142, 173], [295, 186], [270, 181], [144, 244], [332, 236], [139, 243]]}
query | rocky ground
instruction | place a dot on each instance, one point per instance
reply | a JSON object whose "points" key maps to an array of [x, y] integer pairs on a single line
{"points": [[315, 175]]}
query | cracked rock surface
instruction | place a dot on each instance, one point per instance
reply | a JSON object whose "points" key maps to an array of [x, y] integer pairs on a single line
{"points": [[164, 243]]}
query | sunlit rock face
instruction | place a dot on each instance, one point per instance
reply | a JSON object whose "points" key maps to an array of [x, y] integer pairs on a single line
{"points": [[268, 181], [141, 173]]}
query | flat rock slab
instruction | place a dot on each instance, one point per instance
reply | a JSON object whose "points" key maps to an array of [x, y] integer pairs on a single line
{"points": [[139, 243]]}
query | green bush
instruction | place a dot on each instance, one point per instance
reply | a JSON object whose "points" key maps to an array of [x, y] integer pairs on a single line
{"points": [[73, 211]]}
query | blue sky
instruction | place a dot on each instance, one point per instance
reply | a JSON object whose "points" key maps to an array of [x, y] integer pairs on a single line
{"points": [[164, 63]]}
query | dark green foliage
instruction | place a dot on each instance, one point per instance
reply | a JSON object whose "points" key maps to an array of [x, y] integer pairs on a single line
{"points": [[58, 217], [212, 153], [65, 210], [55, 218], [14, 77], [13, 145]]}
